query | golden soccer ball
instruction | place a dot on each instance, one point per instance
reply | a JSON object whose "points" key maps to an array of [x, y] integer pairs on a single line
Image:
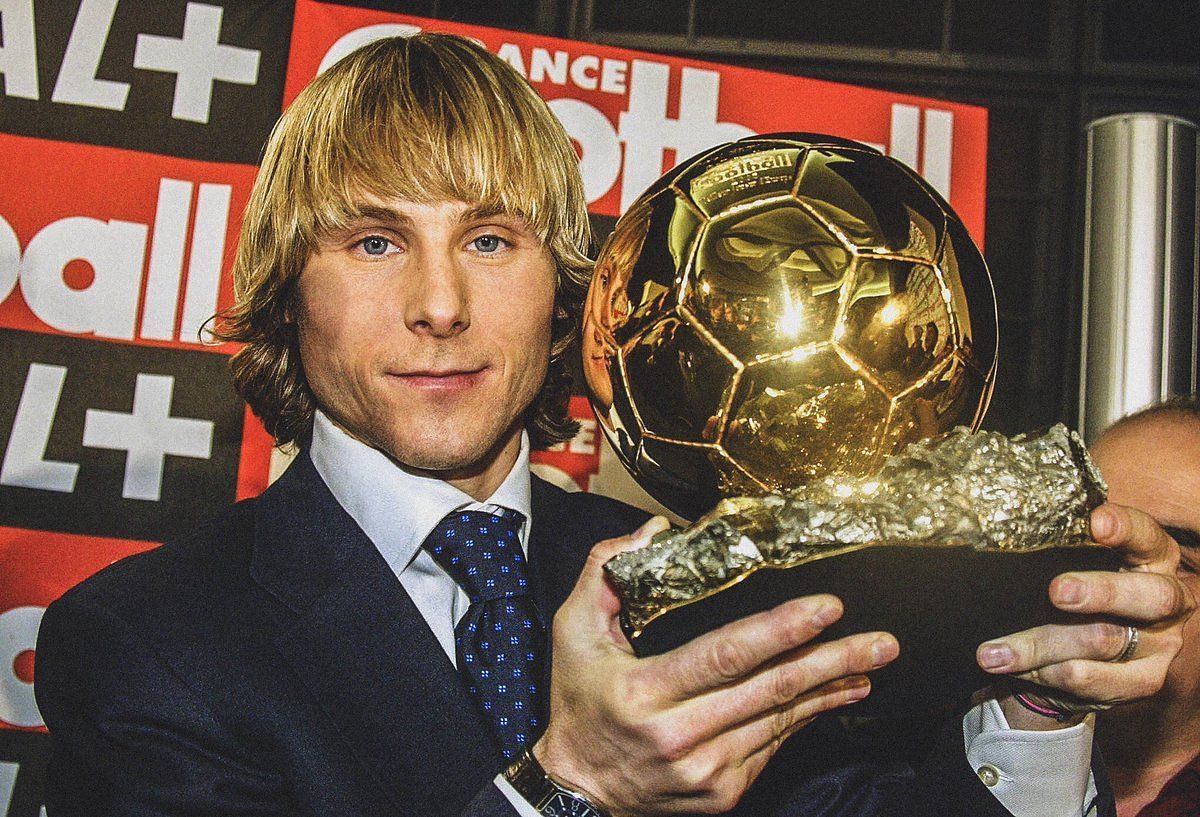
{"points": [[779, 309]]}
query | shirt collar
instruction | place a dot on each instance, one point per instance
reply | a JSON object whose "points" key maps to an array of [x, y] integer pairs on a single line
{"points": [[395, 507]]}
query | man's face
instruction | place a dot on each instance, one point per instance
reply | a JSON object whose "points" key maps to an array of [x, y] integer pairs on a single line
{"points": [[1154, 465], [424, 331]]}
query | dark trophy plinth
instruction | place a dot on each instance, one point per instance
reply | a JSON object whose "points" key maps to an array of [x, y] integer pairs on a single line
{"points": [[952, 600]]}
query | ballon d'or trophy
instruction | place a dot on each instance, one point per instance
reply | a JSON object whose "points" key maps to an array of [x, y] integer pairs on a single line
{"points": [[791, 340]]}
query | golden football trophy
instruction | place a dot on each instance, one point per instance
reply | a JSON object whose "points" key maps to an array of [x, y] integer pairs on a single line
{"points": [[782, 308], [766, 327]]}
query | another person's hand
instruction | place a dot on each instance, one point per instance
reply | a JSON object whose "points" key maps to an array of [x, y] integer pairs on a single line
{"points": [[1081, 660], [689, 730]]}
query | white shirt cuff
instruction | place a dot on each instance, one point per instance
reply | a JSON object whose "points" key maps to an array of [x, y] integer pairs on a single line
{"points": [[1032, 774], [518, 802]]}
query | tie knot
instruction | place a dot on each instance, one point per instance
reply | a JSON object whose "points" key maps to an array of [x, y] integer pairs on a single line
{"points": [[482, 552]]}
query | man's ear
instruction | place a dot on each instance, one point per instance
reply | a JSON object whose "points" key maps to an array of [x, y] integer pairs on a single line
{"points": [[289, 299]]}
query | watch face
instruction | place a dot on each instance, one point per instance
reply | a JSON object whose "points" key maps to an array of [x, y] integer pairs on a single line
{"points": [[562, 804]]}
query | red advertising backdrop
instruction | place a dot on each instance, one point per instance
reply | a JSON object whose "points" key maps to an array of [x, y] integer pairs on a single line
{"points": [[130, 132], [633, 115]]}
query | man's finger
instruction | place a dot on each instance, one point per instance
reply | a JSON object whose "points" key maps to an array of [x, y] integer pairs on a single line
{"points": [[1102, 681], [768, 731], [1055, 643], [1140, 539], [591, 588], [729, 653], [780, 684], [1140, 597]]}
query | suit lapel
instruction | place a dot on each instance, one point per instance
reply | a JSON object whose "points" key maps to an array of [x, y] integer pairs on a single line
{"points": [[557, 549], [561, 536], [364, 653], [565, 527]]}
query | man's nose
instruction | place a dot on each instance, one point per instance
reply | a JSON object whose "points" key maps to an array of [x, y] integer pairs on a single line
{"points": [[437, 302]]}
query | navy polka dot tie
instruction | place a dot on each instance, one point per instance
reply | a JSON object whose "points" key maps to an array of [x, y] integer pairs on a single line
{"points": [[500, 641]]}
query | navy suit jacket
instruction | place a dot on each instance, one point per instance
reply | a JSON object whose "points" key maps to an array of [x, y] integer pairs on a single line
{"points": [[272, 664]]}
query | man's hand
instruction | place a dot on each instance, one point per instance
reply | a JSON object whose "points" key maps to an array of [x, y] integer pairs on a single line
{"points": [[689, 730], [1078, 659]]}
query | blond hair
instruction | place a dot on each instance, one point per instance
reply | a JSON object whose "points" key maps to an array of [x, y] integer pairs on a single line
{"points": [[428, 118]]}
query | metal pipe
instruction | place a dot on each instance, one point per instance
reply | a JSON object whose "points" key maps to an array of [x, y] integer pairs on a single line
{"points": [[1141, 289]]}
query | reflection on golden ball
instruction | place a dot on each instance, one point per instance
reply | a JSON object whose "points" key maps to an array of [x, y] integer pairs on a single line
{"points": [[781, 308]]}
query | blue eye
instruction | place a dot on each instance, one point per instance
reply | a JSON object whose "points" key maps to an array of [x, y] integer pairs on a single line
{"points": [[374, 245], [487, 243]]}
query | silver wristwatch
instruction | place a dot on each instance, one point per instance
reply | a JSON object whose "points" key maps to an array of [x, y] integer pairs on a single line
{"points": [[544, 793]]}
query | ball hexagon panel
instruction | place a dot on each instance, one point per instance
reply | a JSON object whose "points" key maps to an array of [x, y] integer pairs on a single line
{"points": [[933, 403], [766, 279], [973, 302], [639, 279], [685, 477], [897, 321], [872, 201], [749, 172], [615, 411], [677, 381], [805, 416]]}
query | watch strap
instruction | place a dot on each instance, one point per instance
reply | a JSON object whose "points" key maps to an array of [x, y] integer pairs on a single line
{"points": [[542, 791]]}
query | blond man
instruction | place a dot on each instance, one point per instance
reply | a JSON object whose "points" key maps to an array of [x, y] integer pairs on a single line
{"points": [[372, 635]]}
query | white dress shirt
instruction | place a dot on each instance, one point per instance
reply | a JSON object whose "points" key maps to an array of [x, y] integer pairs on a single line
{"points": [[1033, 774], [397, 509]]}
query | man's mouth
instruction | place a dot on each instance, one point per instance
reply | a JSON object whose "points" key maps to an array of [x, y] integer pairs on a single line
{"points": [[441, 380]]}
